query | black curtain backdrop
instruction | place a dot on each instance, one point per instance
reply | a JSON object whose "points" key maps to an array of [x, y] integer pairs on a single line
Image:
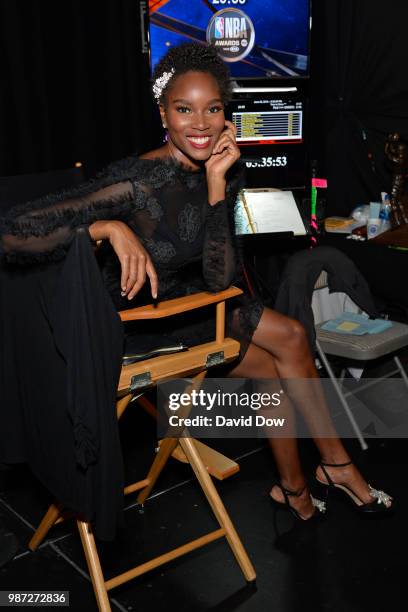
{"points": [[75, 87], [360, 94], [74, 84]]}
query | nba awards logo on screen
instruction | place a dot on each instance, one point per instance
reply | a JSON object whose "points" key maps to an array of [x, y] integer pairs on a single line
{"points": [[232, 33]]}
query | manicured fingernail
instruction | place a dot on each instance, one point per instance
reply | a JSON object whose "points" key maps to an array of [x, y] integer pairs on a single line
{"points": [[123, 293]]}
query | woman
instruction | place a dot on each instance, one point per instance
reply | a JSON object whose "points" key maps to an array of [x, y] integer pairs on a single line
{"points": [[167, 217]]}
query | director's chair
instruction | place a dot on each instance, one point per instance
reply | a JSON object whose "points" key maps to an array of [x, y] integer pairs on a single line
{"points": [[135, 377]]}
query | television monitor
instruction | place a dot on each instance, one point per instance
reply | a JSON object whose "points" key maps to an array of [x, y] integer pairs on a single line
{"points": [[257, 38], [270, 135]]}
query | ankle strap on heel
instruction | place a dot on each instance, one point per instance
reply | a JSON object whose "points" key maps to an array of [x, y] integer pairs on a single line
{"points": [[335, 464], [327, 476], [288, 493], [293, 493]]}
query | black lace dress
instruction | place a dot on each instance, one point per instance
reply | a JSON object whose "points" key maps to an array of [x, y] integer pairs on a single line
{"points": [[62, 341]]}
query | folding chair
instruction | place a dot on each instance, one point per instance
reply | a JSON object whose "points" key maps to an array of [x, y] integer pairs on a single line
{"points": [[144, 374], [362, 349]]}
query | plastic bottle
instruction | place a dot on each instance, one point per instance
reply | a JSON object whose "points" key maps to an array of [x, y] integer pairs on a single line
{"points": [[385, 214]]}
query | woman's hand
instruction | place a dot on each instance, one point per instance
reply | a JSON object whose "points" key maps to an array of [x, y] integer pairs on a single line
{"points": [[135, 261], [224, 155]]}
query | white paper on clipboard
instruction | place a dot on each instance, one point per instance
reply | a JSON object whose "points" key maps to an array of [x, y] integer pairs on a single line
{"points": [[267, 211]]}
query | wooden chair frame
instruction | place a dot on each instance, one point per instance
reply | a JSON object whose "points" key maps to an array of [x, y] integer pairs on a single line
{"points": [[192, 363]]}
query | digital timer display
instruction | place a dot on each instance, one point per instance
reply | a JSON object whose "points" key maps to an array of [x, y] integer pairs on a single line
{"points": [[268, 162], [281, 166], [224, 2]]}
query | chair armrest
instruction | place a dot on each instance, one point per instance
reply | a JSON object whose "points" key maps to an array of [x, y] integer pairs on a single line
{"points": [[178, 305]]}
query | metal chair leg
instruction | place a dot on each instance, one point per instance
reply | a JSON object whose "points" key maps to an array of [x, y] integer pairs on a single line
{"points": [[401, 369], [341, 397]]}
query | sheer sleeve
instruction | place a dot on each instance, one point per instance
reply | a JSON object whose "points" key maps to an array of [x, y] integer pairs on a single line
{"points": [[218, 252], [43, 229], [221, 260]]}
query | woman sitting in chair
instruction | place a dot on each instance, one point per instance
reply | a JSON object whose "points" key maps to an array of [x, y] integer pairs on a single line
{"points": [[167, 215]]}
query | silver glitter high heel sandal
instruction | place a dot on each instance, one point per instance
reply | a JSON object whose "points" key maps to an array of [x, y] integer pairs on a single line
{"points": [[381, 501]]}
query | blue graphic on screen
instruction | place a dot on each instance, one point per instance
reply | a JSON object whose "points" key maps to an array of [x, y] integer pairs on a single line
{"points": [[281, 46], [219, 27]]}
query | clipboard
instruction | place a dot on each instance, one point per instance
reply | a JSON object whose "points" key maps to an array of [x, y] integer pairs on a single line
{"points": [[268, 211]]}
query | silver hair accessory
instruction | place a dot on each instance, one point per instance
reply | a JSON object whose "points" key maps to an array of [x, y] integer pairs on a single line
{"points": [[161, 83]]}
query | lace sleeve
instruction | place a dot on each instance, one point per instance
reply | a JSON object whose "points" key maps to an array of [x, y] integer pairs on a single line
{"points": [[218, 252], [42, 230], [221, 254]]}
